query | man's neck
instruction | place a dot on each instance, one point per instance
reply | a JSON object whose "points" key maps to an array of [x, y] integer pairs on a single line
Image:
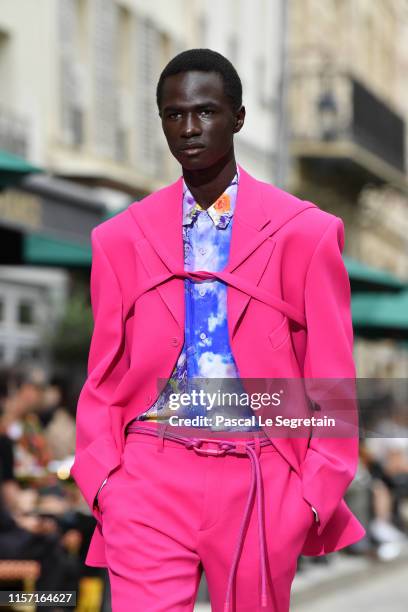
{"points": [[207, 185]]}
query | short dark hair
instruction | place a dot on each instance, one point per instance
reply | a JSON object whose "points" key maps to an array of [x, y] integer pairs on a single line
{"points": [[205, 60]]}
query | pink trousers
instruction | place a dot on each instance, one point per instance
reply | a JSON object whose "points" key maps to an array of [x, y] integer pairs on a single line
{"points": [[170, 512]]}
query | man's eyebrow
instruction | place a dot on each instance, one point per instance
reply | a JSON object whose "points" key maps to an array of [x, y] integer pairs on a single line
{"points": [[178, 107]]}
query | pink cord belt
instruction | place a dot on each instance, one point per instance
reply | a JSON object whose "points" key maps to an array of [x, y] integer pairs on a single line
{"points": [[252, 449]]}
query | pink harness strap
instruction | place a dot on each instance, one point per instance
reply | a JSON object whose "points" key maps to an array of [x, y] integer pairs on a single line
{"points": [[252, 449], [223, 275], [230, 279]]}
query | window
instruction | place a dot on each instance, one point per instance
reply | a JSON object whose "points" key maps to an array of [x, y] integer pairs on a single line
{"points": [[104, 77], [147, 50], [26, 313]]}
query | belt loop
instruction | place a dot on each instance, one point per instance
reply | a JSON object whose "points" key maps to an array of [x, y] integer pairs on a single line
{"points": [[160, 437]]}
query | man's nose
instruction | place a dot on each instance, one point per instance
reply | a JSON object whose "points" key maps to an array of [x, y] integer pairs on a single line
{"points": [[191, 126]]}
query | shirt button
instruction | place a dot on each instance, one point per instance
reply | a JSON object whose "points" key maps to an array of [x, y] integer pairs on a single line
{"points": [[202, 291], [203, 336], [202, 251], [175, 341]]}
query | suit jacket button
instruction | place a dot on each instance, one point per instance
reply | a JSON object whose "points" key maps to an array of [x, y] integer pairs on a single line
{"points": [[175, 341]]}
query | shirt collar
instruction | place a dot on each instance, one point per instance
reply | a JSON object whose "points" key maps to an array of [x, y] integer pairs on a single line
{"points": [[221, 211]]}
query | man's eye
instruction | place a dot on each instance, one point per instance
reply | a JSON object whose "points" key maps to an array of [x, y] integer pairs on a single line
{"points": [[174, 115], [206, 112]]}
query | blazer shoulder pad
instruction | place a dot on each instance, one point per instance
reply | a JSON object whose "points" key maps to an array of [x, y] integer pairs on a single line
{"points": [[271, 193], [317, 220], [150, 198], [110, 233]]}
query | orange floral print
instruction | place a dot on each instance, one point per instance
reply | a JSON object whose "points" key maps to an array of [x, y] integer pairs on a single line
{"points": [[223, 204]]}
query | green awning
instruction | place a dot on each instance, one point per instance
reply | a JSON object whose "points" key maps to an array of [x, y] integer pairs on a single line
{"points": [[112, 213], [369, 277], [13, 167], [40, 249], [47, 251], [12, 163], [385, 311]]}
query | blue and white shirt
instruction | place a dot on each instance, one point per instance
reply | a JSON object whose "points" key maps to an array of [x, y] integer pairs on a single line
{"points": [[206, 351]]}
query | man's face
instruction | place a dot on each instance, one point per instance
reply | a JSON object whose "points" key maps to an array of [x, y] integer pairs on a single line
{"points": [[198, 119]]}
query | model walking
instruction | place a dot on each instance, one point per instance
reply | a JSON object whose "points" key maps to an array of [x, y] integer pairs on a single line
{"points": [[216, 276]]}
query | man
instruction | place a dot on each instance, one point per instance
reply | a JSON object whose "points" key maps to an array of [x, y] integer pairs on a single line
{"points": [[216, 275]]}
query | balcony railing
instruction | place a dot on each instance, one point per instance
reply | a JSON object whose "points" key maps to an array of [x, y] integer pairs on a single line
{"points": [[337, 108]]}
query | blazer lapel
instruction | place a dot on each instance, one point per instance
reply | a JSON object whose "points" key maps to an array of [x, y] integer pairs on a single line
{"points": [[160, 220], [249, 219], [255, 221]]}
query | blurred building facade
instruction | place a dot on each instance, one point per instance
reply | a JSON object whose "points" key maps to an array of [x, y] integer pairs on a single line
{"points": [[348, 109], [31, 301], [85, 92], [348, 112]]}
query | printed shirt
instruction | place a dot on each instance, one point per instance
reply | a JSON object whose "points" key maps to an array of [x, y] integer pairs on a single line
{"points": [[206, 352]]}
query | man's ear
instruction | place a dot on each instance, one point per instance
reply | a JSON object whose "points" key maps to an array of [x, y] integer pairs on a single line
{"points": [[239, 119]]}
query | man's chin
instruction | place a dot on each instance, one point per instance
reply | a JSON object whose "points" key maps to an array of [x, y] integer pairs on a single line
{"points": [[194, 164]]}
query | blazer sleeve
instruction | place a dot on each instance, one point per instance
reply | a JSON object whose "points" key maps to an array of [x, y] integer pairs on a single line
{"points": [[331, 460], [96, 453]]}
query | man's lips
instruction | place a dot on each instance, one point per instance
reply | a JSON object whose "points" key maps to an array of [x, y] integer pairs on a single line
{"points": [[191, 147]]}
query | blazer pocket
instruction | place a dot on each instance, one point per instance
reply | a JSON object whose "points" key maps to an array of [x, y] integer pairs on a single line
{"points": [[280, 334], [100, 495]]}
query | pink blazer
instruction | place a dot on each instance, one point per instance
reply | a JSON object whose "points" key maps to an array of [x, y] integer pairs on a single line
{"points": [[288, 304]]}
